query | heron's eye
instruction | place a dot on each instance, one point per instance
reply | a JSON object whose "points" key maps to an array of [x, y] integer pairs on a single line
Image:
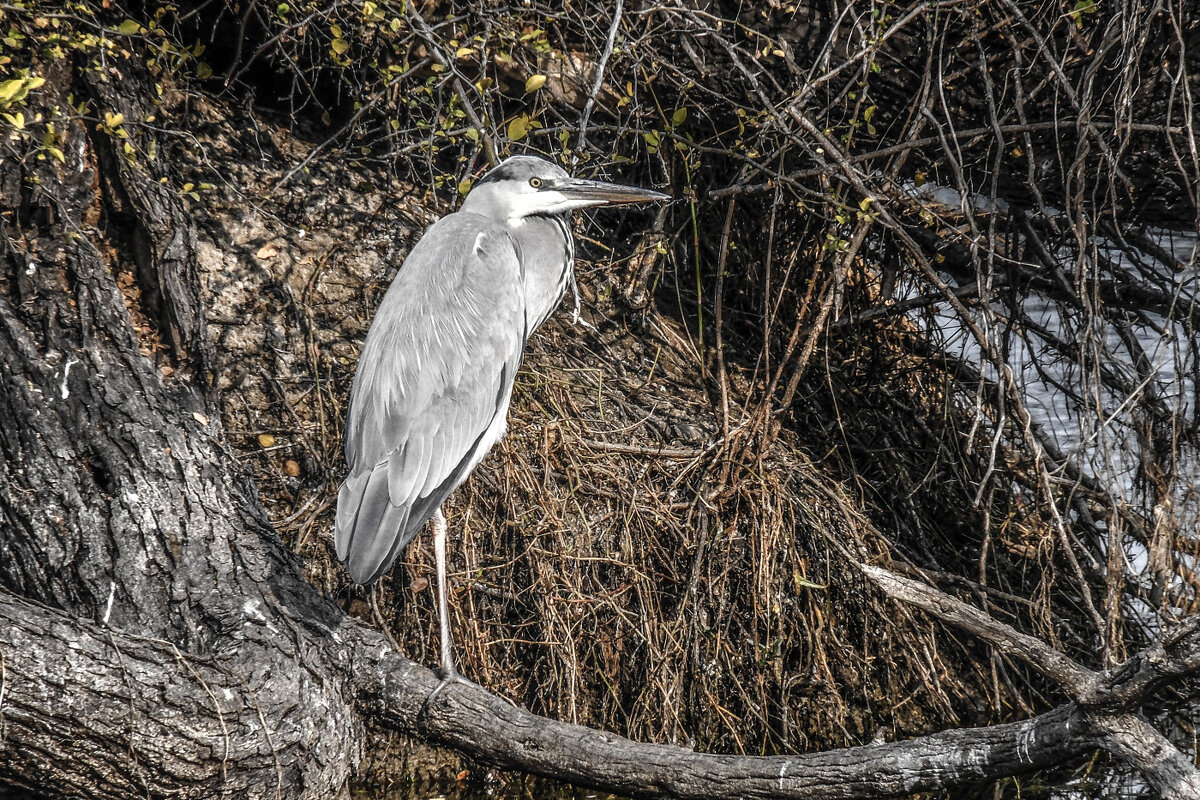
{"points": [[535, 182]]}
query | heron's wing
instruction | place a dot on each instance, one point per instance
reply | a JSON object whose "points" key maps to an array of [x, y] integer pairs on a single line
{"points": [[432, 388]]}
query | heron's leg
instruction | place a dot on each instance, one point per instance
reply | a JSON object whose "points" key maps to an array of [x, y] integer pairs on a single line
{"points": [[449, 673]]}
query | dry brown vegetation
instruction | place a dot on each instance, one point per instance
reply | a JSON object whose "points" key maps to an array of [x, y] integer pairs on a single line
{"points": [[604, 573]]}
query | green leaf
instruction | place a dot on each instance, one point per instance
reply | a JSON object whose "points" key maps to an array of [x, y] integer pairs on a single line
{"points": [[129, 27], [518, 127], [679, 117], [9, 89], [1082, 7], [534, 83], [339, 46], [802, 582]]}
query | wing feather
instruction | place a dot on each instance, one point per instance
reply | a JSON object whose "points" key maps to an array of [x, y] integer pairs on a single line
{"points": [[432, 387], [403, 470], [441, 460]]}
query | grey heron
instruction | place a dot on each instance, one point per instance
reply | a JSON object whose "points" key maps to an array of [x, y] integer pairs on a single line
{"points": [[433, 383]]}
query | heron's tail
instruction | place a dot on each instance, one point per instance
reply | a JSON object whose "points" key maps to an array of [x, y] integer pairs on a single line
{"points": [[370, 530]]}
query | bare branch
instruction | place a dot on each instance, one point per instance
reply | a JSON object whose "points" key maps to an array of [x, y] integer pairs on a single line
{"points": [[598, 81], [1126, 735], [393, 690], [1135, 741], [1074, 678]]}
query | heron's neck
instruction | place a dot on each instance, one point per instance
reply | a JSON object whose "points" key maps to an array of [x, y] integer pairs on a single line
{"points": [[547, 258]]}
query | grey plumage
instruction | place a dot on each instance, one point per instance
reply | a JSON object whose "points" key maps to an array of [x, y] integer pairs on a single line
{"points": [[434, 379], [548, 255], [432, 387]]}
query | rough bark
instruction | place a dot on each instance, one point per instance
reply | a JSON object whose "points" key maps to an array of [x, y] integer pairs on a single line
{"points": [[156, 638], [94, 711], [97, 712], [122, 509]]}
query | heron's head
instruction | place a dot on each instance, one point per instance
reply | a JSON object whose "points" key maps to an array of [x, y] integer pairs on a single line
{"points": [[526, 186]]}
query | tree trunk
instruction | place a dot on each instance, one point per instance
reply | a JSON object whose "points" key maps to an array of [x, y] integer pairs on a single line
{"points": [[182, 651]]}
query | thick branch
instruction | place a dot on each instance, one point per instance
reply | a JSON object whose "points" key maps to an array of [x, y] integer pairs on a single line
{"points": [[93, 712], [1135, 741], [100, 713], [1073, 677], [1126, 735], [1174, 658], [393, 690]]}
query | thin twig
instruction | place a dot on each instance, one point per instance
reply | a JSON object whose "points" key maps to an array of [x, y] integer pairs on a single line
{"points": [[598, 80], [240, 39], [427, 35], [718, 318], [363, 109], [916, 144], [637, 450]]}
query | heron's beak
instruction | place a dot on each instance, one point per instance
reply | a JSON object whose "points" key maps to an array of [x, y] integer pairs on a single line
{"points": [[595, 193]]}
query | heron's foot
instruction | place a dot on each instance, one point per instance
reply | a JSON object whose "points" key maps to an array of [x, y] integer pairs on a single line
{"points": [[455, 676], [449, 676], [583, 323], [575, 318], [452, 675]]}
